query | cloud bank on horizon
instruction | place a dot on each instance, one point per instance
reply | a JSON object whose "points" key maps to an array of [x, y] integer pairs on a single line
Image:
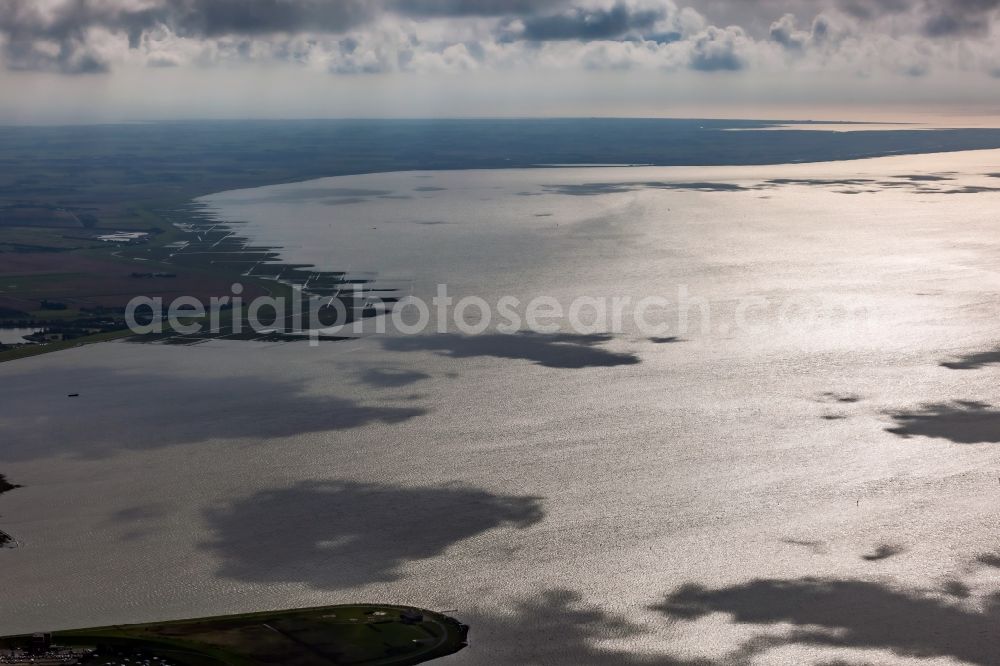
{"points": [[882, 39], [366, 37]]}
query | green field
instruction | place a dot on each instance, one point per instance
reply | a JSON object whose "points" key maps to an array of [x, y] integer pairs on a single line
{"points": [[361, 635], [60, 189]]}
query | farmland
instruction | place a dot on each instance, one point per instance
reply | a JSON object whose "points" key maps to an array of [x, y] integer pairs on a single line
{"points": [[362, 635]]}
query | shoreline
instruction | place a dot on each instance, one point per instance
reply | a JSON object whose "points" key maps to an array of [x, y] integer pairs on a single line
{"points": [[6, 540], [398, 636], [164, 198], [809, 438], [202, 238]]}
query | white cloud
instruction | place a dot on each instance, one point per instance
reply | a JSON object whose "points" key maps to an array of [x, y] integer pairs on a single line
{"points": [[892, 41]]}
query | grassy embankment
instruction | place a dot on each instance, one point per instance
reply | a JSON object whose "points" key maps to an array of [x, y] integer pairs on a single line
{"points": [[361, 635]]}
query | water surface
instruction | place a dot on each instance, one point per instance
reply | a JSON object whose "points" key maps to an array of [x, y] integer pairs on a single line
{"points": [[707, 497]]}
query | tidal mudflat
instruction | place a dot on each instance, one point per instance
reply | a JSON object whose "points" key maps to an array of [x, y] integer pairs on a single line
{"points": [[768, 485]]}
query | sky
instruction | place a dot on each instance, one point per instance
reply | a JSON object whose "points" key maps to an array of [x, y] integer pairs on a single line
{"points": [[65, 61]]}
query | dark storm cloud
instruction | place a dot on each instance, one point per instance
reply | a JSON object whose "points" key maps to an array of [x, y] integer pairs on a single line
{"points": [[960, 17], [471, 7], [222, 17], [36, 41], [933, 18], [586, 24], [56, 37], [871, 9], [30, 29], [940, 18], [86, 36], [199, 18], [212, 18], [71, 58]]}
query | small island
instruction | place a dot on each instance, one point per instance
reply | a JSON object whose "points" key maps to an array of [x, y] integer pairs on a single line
{"points": [[360, 634], [5, 486]]}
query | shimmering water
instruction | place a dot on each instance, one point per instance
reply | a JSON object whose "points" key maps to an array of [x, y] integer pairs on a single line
{"points": [[769, 486], [12, 336]]}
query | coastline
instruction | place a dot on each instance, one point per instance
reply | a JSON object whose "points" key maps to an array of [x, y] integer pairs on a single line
{"points": [[6, 540], [286, 435], [397, 636], [159, 202]]}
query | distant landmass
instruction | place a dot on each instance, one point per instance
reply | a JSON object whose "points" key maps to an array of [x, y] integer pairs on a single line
{"points": [[91, 216]]}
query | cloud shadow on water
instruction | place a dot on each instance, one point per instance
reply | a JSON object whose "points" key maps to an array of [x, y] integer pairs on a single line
{"points": [[391, 377], [973, 361], [916, 183], [344, 201], [819, 182], [970, 189], [558, 627], [816, 546], [593, 189], [670, 339], [961, 421], [333, 534], [137, 522], [989, 560], [843, 613], [297, 194], [883, 552], [121, 411], [841, 398], [561, 350], [925, 177]]}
